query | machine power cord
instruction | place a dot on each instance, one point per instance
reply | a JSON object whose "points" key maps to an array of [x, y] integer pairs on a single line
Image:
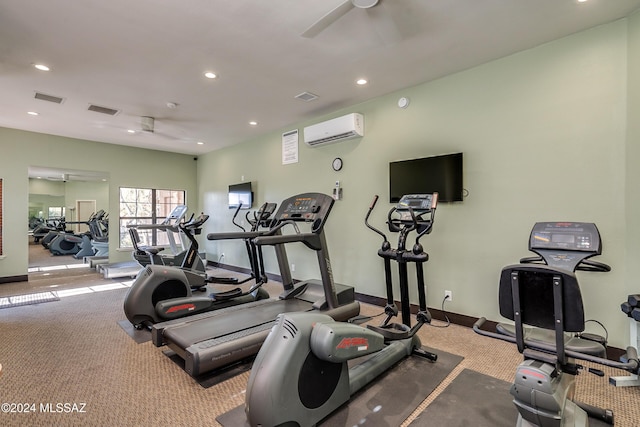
{"points": [[444, 313], [606, 332]]}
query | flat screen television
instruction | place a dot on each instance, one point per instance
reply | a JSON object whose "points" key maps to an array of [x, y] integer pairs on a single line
{"points": [[240, 193], [442, 174]]}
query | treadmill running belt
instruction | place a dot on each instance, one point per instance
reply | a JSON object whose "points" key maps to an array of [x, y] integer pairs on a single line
{"points": [[231, 323]]}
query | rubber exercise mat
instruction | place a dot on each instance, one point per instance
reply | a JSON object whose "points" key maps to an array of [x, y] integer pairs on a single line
{"points": [[388, 400], [138, 335], [28, 299], [474, 399], [209, 379]]}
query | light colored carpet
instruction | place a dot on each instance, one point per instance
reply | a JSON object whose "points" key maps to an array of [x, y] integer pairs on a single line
{"points": [[73, 351]]}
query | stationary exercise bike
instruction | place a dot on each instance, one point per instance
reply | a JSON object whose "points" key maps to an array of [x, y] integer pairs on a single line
{"points": [[146, 254], [568, 246], [543, 391], [542, 296], [162, 292], [300, 375]]}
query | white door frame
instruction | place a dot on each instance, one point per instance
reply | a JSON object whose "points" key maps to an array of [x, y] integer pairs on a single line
{"points": [[84, 209]]}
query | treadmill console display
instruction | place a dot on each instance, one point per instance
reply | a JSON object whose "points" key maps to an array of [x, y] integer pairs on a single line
{"points": [[308, 207], [302, 205], [565, 236]]}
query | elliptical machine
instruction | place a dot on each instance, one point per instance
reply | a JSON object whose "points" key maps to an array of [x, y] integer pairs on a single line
{"points": [[261, 219], [302, 366], [161, 293]]}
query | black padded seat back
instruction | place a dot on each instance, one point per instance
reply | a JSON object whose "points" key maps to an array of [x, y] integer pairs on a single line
{"points": [[535, 286], [135, 239]]}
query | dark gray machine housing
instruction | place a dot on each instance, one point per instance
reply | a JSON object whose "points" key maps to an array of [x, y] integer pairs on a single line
{"points": [[216, 339]]}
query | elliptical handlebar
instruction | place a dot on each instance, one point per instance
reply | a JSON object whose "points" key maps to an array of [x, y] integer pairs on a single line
{"points": [[423, 204], [366, 219], [235, 214], [260, 216], [396, 224], [194, 223]]}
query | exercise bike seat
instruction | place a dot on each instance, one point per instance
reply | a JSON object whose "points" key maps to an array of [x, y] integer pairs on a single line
{"points": [[571, 342], [141, 249]]}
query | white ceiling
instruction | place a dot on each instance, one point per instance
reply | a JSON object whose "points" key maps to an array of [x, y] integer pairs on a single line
{"points": [[136, 56]]}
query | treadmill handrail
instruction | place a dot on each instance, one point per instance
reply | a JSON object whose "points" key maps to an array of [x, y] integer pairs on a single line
{"points": [[311, 240], [233, 235], [276, 229], [283, 238]]}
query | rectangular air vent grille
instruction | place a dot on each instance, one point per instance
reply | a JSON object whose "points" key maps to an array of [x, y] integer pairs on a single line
{"points": [[306, 96], [50, 98], [103, 110]]}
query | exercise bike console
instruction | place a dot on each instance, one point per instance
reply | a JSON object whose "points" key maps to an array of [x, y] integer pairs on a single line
{"points": [[566, 245]]}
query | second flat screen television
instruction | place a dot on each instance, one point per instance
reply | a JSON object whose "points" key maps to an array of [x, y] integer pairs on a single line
{"points": [[442, 174], [240, 193]]}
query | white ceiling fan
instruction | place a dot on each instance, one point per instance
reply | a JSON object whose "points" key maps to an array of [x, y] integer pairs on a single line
{"points": [[383, 24], [148, 126]]}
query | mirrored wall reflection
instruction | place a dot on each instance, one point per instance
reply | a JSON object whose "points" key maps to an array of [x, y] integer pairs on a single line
{"points": [[1, 240], [65, 200]]}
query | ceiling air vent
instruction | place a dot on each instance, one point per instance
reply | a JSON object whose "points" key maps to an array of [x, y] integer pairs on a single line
{"points": [[103, 110], [306, 96], [50, 98]]}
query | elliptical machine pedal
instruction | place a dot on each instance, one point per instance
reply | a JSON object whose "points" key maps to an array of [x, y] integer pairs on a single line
{"points": [[226, 295]]}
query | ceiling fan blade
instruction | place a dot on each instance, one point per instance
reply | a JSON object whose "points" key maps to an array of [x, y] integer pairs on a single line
{"points": [[384, 25], [328, 19]]}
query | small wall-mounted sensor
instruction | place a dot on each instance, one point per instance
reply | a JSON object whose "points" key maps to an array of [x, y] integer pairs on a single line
{"points": [[337, 191]]}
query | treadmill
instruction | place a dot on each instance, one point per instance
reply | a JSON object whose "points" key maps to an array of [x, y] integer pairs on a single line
{"points": [[217, 339]]}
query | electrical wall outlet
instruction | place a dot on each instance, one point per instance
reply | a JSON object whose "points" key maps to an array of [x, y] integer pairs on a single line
{"points": [[448, 296], [293, 268]]}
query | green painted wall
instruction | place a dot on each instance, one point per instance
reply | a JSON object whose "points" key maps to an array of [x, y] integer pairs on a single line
{"points": [[126, 166], [544, 136], [547, 134], [632, 225]]}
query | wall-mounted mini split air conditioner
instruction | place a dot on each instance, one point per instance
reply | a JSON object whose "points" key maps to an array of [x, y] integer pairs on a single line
{"points": [[335, 130]]}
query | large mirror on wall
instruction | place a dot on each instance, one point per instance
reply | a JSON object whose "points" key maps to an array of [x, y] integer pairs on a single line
{"points": [[70, 200]]}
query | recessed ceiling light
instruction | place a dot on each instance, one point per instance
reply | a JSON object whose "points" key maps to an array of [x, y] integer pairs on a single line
{"points": [[41, 67], [253, 123], [210, 75], [33, 113], [131, 131], [582, 1], [361, 82], [200, 143]]}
